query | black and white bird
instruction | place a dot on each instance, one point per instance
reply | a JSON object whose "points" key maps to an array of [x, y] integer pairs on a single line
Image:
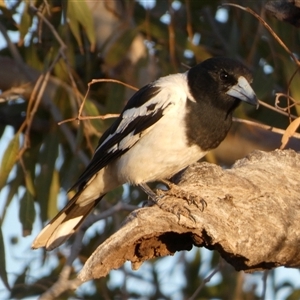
{"points": [[165, 126]]}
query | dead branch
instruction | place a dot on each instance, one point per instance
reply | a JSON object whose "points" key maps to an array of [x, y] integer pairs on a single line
{"points": [[251, 219]]}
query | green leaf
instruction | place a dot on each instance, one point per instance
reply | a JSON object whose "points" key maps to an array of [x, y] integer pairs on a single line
{"points": [[47, 158], [78, 13], [27, 213], [29, 184], [25, 23], [14, 185], [120, 47], [3, 273], [9, 159], [54, 191]]}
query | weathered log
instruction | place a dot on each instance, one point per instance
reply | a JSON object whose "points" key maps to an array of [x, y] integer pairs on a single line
{"points": [[251, 218]]}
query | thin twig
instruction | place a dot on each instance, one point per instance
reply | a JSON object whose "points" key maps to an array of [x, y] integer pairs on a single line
{"points": [[265, 127], [256, 40], [102, 117], [62, 49], [266, 25], [84, 118], [207, 279], [50, 26], [189, 27], [277, 101], [92, 219], [277, 109], [33, 105], [61, 285], [264, 280], [47, 102]]}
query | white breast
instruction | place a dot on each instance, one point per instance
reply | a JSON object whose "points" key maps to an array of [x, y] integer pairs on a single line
{"points": [[163, 149]]}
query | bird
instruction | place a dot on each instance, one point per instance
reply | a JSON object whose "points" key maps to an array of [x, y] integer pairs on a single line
{"points": [[165, 126]]}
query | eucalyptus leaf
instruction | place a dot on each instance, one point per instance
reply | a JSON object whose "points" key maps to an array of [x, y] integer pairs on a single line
{"points": [[3, 273], [9, 159], [27, 213]]}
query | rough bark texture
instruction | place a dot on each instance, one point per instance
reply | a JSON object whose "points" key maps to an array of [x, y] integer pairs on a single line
{"points": [[251, 218]]}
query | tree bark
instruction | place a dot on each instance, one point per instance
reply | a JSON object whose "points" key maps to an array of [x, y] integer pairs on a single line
{"points": [[249, 214]]}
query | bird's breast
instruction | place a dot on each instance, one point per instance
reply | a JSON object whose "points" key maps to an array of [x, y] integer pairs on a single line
{"points": [[160, 153]]}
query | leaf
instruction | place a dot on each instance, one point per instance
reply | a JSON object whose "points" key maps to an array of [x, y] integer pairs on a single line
{"points": [[54, 191], [3, 273], [25, 23], [9, 159], [289, 132], [29, 184], [14, 185], [27, 213], [79, 13], [47, 158], [120, 47]]}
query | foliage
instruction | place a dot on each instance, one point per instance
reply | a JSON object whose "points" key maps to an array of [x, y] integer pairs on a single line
{"points": [[61, 47]]}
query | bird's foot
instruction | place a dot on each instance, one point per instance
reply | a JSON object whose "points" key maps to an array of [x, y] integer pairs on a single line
{"points": [[191, 198], [153, 197], [178, 210]]}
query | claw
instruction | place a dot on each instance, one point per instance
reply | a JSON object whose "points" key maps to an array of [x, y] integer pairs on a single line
{"points": [[176, 191], [203, 203]]}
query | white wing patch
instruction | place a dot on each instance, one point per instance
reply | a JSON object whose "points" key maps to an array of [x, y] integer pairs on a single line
{"points": [[129, 116], [127, 142], [159, 102]]}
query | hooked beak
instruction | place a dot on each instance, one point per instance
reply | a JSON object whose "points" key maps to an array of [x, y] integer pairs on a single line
{"points": [[244, 92]]}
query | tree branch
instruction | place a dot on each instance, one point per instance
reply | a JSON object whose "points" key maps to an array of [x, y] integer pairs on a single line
{"points": [[251, 219]]}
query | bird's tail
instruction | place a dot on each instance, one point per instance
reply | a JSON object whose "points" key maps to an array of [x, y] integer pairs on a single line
{"points": [[64, 224]]}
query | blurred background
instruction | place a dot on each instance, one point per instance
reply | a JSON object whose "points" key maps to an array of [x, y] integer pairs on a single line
{"points": [[50, 51]]}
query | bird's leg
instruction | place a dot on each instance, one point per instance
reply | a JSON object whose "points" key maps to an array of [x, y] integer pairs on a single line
{"points": [[191, 198], [152, 196]]}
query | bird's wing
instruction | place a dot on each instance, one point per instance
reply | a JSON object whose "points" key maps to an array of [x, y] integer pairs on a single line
{"points": [[142, 111]]}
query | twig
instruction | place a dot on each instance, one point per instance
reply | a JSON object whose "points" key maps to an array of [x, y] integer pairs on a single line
{"points": [[33, 105], [50, 26], [266, 127], [47, 102], [264, 280], [11, 46], [61, 285], [103, 117], [207, 279], [277, 101], [62, 49], [266, 25], [256, 40], [276, 109], [93, 218], [84, 118], [189, 27]]}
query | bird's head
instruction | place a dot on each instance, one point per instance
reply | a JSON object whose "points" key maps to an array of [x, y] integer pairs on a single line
{"points": [[224, 82]]}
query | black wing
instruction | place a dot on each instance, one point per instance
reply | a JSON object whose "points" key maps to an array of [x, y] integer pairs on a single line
{"points": [[108, 147]]}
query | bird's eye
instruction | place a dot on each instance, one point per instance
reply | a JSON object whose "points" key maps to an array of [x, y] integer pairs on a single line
{"points": [[224, 76]]}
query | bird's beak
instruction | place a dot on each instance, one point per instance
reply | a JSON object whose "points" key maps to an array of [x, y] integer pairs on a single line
{"points": [[243, 91]]}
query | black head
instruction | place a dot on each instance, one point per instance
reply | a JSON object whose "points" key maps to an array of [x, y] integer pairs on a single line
{"points": [[221, 82]]}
